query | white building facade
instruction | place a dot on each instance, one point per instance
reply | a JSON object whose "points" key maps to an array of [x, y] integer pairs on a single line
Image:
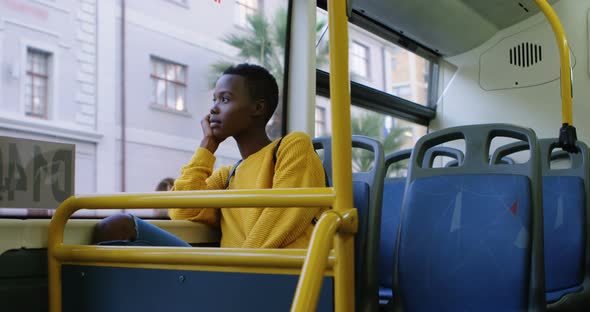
{"points": [[61, 80]]}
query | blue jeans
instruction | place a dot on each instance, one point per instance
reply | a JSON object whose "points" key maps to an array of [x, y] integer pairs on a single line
{"points": [[148, 235]]}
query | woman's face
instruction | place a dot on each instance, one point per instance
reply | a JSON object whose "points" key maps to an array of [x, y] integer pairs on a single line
{"points": [[232, 109]]}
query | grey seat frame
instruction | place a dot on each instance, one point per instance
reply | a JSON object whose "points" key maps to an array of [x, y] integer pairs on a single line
{"points": [[436, 151]]}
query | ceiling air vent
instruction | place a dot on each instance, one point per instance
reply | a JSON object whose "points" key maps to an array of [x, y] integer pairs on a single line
{"points": [[520, 58], [525, 54]]}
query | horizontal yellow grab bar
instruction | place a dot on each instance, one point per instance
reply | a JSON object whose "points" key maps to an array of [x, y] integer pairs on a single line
{"points": [[268, 258], [217, 198]]}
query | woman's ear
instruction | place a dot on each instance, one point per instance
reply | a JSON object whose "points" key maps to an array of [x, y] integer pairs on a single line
{"points": [[259, 108]]}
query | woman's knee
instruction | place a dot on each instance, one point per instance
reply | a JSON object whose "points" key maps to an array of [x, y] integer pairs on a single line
{"points": [[117, 227]]}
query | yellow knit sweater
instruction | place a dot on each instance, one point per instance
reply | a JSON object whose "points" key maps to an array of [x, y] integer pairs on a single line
{"points": [[297, 165]]}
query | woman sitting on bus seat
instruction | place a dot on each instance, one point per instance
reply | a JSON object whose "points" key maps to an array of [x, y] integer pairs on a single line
{"points": [[244, 100]]}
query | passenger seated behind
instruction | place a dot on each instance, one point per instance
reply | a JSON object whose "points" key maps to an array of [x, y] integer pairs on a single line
{"points": [[244, 100]]}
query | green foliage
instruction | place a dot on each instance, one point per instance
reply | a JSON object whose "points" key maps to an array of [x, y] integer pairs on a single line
{"points": [[372, 124], [264, 43], [322, 51]]}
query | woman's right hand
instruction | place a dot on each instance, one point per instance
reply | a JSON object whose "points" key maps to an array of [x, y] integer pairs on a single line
{"points": [[210, 141]]}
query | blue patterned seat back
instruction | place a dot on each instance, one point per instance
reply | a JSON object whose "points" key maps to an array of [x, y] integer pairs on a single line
{"points": [[563, 209], [393, 193], [464, 236], [471, 237]]}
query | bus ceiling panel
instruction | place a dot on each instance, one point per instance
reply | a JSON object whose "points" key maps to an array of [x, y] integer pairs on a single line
{"points": [[448, 27], [505, 13]]}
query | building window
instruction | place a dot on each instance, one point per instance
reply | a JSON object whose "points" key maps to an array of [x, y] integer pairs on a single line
{"points": [[36, 84], [379, 49], [425, 72], [320, 121], [393, 64], [245, 8], [169, 83], [359, 59], [402, 91]]}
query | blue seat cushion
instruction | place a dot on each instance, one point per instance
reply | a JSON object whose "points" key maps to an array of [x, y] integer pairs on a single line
{"points": [[563, 213], [393, 193], [385, 295], [465, 243], [553, 296]]}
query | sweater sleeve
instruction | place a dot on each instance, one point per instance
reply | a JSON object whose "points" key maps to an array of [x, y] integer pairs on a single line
{"points": [[297, 166], [196, 175]]}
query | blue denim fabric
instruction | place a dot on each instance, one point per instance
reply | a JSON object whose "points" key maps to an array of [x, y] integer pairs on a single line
{"points": [[148, 234]]}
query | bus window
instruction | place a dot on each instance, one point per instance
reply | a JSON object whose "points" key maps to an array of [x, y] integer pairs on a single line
{"points": [[386, 79], [128, 83], [380, 64], [394, 133]]}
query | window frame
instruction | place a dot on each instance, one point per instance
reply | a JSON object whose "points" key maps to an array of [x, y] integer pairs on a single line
{"points": [[400, 86], [379, 101], [408, 44], [320, 122], [30, 72], [176, 83], [52, 72], [366, 60]]}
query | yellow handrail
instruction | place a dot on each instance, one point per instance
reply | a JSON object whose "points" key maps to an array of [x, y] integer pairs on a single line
{"points": [[340, 103], [312, 274], [564, 56], [180, 257], [342, 160], [229, 257]]}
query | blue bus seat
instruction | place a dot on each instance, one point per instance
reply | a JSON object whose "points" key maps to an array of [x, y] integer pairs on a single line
{"points": [[566, 210], [367, 196], [470, 237], [393, 192]]}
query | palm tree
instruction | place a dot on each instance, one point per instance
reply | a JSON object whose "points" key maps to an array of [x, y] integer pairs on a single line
{"points": [[372, 124], [265, 44]]}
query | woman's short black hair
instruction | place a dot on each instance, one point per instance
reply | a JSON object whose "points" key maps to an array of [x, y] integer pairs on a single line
{"points": [[261, 84]]}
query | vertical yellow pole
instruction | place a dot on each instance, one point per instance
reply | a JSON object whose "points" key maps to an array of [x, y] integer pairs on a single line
{"points": [[312, 274], [564, 55], [54, 275], [342, 145], [55, 238]]}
